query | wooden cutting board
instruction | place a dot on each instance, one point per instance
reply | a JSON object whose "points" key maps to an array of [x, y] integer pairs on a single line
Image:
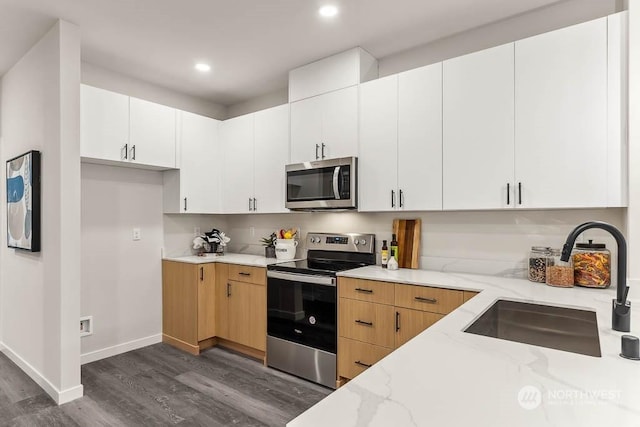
{"points": [[407, 233]]}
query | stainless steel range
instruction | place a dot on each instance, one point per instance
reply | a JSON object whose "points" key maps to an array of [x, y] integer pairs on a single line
{"points": [[302, 332]]}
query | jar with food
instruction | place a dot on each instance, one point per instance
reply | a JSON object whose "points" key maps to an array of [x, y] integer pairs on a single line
{"points": [[559, 273], [538, 257], [592, 265]]}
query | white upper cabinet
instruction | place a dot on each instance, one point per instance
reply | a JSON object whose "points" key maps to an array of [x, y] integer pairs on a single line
{"points": [[195, 187], [119, 128], [561, 117], [104, 124], [238, 164], [325, 126], [271, 155], [400, 162], [378, 160], [152, 134], [478, 129], [420, 138]]}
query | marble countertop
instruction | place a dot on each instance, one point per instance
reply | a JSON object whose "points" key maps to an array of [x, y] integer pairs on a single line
{"points": [[243, 259], [446, 377]]}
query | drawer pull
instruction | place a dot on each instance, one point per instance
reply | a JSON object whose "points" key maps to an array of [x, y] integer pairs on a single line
{"points": [[362, 322], [228, 290], [397, 321], [242, 273], [366, 291], [427, 300], [364, 365]]}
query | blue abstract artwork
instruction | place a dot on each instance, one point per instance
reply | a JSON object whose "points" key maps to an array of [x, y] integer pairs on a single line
{"points": [[23, 202]]}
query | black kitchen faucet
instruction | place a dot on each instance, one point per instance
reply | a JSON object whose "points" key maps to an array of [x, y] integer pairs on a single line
{"points": [[621, 310]]}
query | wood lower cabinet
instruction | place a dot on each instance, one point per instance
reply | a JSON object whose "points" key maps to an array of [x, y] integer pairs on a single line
{"points": [[208, 304], [467, 295], [374, 318], [188, 304]]}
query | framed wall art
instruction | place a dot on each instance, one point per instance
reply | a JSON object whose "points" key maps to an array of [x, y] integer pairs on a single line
{"points": [[23, 202]]}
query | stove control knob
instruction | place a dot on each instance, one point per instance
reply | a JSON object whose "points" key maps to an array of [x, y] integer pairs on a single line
{"points": [[315, 240], [356, 242], [363, 242]]}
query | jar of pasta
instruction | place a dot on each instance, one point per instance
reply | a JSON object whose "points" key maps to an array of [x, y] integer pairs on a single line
{"points": [[592, 265], [559, 273]]}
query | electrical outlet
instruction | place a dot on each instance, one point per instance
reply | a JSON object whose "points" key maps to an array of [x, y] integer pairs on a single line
{"points": [[86, 326], [196, 231], [136, 234], [252, 231]]}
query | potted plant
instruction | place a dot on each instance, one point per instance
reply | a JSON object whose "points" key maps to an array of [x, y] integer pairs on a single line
{"points": [[269, 244]]}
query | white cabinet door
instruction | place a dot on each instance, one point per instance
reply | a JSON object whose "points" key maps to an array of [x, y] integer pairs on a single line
{"points": [[340, 123], [561, 117], [152, 134], [199, 164], [306, 129], [420, 139], [237, 167], [104, 124], [377, 163], [271, 155], [478, 126]]}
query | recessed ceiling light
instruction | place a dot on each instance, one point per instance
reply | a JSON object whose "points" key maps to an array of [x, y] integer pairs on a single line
{"points": [[201, 66], [328, 11]]}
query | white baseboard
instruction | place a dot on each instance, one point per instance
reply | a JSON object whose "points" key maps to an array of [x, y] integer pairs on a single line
{"points": [[119, 349], [58, 396]]}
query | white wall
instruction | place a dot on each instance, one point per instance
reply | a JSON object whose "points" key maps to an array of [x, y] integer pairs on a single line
{"points": [[40, 303], [94, 75], [258, 103], [121, 278], [633, 212], [485, 242], [179, 231]]}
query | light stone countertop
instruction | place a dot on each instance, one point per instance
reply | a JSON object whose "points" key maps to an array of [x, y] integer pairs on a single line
{"points": [[446, 377], [243, 259]]}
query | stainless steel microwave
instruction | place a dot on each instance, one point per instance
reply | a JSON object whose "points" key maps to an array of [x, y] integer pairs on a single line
{"points": [[323, 184]]}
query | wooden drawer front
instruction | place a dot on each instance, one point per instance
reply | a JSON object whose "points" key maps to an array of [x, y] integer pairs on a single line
{"points": [[243, 273], [410, 323], [366, 321], [434, 300], [354, 356], [467, 295], [366, 290]]}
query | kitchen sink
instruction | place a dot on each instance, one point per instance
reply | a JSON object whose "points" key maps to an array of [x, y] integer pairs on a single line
{"points": [[560, 328]]}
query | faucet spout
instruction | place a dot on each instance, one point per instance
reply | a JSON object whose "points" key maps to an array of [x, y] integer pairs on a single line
{"points": [[621, 313]]}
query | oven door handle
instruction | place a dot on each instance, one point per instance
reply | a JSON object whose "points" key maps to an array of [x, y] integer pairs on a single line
{"points": [[304, 278], [336, 185]]}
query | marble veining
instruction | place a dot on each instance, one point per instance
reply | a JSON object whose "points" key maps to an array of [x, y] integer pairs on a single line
{"points": [[445, 376]]}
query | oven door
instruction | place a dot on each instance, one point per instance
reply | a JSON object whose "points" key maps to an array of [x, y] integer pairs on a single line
{"points": [[325, 184], [302, 309]]}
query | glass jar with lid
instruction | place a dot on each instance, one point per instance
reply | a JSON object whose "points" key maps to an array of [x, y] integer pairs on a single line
{"points": [[592, 265], [559, 273], [538, 257]]}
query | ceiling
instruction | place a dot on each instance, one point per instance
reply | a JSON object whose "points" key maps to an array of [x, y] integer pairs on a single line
{"points": [[250, 44]]}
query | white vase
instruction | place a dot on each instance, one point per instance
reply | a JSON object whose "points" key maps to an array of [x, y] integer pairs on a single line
{"points": [[286, 249]]}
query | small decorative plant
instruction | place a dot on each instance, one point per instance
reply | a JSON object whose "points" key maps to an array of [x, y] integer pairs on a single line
{"points": [[270, 241]]}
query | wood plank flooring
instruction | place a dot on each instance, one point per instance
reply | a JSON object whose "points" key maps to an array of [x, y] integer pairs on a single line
{"points": [[160, 385]]}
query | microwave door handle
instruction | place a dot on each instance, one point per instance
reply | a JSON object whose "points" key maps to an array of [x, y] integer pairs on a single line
{"points": [[336, 184]]}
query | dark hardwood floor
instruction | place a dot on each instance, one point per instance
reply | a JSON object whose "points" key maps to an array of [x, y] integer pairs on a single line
{"points": [[160, 385]]}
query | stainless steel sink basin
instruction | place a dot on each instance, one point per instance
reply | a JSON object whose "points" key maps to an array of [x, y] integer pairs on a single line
{"points": [[560, 328]]}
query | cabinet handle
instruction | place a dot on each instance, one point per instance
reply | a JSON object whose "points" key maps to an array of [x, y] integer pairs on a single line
{"points": [[427, 300], [364, 365], [362, 322], [317, 147], [397, 321], [366, 291], [508, 193], [242, 273], [401, 198], [250, 204], [519, 193], [255, 204], [201, 274], [126, 151], [228, 290], [185, 204], [393, 199], [133, 152], [322, 151]]}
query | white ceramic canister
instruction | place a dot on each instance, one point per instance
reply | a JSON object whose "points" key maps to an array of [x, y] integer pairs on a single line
{"points": [[286, 249]]}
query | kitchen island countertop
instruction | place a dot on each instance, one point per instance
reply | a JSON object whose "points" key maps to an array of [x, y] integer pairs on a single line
{"points": [[230, 258], [447, 377]]}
